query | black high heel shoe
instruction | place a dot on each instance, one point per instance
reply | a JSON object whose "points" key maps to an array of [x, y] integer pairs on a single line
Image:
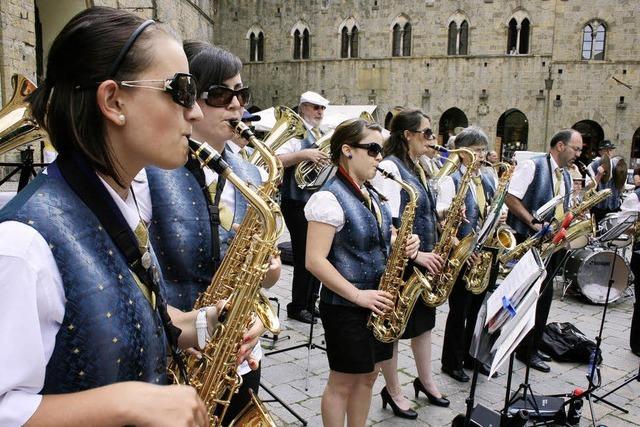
{"points": [[402, 413], [438, 401]]}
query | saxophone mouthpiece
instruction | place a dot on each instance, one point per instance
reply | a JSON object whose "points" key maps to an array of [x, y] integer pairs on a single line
{"points": [[385, 173], [208, 156], [439, 148], [242, 129]]}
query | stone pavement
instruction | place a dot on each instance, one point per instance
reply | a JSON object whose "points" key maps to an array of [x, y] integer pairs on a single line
{"points": [[284, 373]]}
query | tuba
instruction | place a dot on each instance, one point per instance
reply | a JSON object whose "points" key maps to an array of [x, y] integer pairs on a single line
{"points": [[454, 255], [215, 376], [288, 125], [17, 125], [502, 239], [389, 326]]}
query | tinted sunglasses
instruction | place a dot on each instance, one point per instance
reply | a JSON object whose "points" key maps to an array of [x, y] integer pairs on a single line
{"points": [[221, 96], [373, 148], [428, 133], [182, 87], [317, 107]]}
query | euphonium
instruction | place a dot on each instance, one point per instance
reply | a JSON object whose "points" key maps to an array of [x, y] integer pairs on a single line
{"points": [[454, 256], [17, 125], [215, 376], [389, 326], [477, 278], [288, 125]]}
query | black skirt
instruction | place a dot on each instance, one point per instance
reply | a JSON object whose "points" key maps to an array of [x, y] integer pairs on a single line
{"points": [[351, 346], [423, 317]]}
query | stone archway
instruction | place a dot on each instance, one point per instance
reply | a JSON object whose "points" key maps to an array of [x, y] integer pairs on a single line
{"points": [[449, 122], [592, 134], [512, 133]]}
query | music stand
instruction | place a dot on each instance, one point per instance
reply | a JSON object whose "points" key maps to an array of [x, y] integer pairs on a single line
{"points": [[26, 168]]}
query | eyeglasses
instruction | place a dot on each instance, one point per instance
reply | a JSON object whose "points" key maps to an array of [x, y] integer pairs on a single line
{"points": [[182, 87], [479, 150], [576, 149], [316, 107], [427, 133], [221, 96], [373, 148]]}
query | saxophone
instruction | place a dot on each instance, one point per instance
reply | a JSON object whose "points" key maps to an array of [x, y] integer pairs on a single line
{"points": [[591, 198], [215, 376], [502, 238], [389, 326], [454, 256]]}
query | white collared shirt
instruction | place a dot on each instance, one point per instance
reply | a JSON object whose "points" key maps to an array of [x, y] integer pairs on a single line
{"points": [[523, 177], [32, 308]]}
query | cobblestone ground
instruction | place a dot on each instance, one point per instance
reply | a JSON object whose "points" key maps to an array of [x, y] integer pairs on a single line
{"points": [[284, 374]]}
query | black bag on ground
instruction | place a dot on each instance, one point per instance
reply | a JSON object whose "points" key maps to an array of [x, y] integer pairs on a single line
{"points": [[565, 343]]}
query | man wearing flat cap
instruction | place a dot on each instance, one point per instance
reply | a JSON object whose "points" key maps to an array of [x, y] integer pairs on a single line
{"points": [[603, 170], [311, 108]]}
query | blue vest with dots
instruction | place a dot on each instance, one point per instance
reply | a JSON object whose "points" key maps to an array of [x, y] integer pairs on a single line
{"points": [[110, 332], [359, 249], [614, 201]]}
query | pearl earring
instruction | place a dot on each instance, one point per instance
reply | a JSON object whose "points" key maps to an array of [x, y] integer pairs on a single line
{"points": [[122, 118]]}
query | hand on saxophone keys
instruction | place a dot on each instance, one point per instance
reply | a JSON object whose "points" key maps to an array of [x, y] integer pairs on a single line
{"points": [[376, 301], [413, 244], [431, 261], [249, 341]]}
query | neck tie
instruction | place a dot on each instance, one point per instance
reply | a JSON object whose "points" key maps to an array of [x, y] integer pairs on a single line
{"points": [[224, 212], [142, 236], [482, 201], [243, 153], [370, 205], [315, 131], [559, 214]]}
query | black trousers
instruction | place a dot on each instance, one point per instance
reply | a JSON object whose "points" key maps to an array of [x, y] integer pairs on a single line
{"points": [[634, 338], [531, 343], [461, 320], [304, 286], [250, 381]]}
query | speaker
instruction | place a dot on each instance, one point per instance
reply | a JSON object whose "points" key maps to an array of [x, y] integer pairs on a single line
{"points": [[550, 408]]}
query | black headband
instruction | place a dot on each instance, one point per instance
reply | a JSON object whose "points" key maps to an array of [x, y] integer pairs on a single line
{"points": [[127, 46]]}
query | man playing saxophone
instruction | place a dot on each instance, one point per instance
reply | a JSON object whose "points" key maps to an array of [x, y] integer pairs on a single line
{"points": [[535, 182], [463, 305]]}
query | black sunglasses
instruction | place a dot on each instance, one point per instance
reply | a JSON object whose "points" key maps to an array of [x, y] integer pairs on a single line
{"points": [[428, 133], [221, 96], [373, 148], [182, 87]]}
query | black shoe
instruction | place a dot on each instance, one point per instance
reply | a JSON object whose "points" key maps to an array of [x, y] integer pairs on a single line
{"points": [[534, 362], [438, 401], [303, 316], [544, 356], [402, 413], [483, 369], [457, 374], [636, 352]]}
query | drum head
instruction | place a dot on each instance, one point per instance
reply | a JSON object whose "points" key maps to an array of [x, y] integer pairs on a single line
{"points": [[579, 242], [590, 269]]}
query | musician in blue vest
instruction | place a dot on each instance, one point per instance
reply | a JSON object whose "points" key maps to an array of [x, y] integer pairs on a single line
{"points": [[463, 305], [194, 214], [304, 286], [534, 182], [603, 169], [348, 242], [411, 137], [85, 325], [631, 203]]}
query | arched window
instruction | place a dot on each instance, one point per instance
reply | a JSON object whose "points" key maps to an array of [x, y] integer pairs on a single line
{"points": [[452, 39], [593, 42], [397, 40], [463, 46], [256, 44], [401, 37], [344, 43], [301, 42], [518, 34], [348, 39]]}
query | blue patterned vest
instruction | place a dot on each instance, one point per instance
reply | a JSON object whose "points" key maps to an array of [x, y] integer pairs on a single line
{"points": [[539, 192], [290, 189], [110, 333], [248, 173], [359, 249], [181, 234], [471, 205], [614, 201], [426, 220]]}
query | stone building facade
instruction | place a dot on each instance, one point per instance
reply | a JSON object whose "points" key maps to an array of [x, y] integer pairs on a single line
{"points": [[28, 27], [514, 67]]}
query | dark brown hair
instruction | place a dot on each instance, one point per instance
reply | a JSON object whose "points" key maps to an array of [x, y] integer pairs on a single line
{"points": [[396, 145], [80, 57], [210, 65], [348, 133]]}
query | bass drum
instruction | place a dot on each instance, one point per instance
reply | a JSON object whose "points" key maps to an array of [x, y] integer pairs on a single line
{"points": [[590, 269]]}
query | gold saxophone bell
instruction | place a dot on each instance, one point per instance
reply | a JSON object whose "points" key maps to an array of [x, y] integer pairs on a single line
{"points": [[17, 125]]}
